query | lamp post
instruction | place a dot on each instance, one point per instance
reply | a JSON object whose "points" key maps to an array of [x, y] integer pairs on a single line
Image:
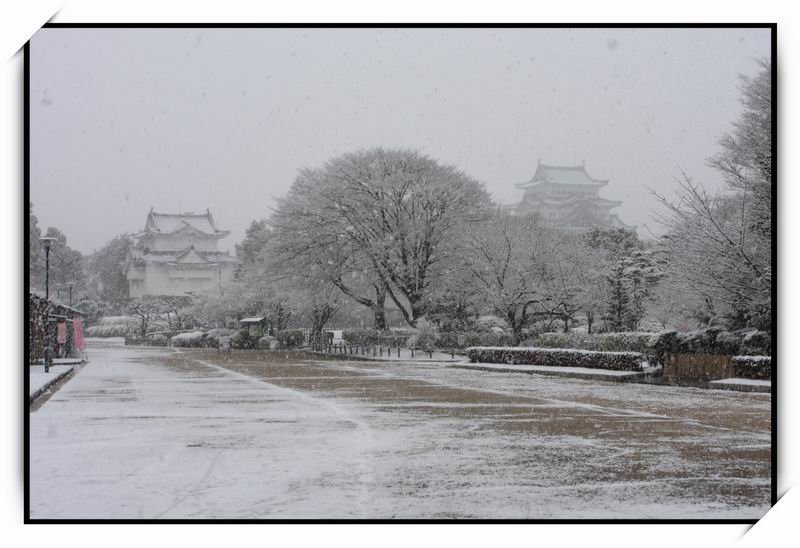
{"points": [[47, 242]]}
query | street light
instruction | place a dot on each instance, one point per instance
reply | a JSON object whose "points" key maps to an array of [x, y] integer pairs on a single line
{"points": [[48, 243]]}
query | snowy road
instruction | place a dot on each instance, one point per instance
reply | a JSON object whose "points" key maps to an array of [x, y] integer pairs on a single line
{"points": [[152, 433]]}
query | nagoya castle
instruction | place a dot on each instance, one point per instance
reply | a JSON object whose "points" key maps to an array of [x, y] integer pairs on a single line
{"points": [[567, 197], [176, 255]]}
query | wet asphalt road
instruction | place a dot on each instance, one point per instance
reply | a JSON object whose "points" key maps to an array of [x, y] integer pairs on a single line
{"points": [[158, 433]]}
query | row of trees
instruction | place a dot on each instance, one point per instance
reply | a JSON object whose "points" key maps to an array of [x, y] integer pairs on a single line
{"points": [[396, 235], [98, 280], [393, 230], [393, 226]]}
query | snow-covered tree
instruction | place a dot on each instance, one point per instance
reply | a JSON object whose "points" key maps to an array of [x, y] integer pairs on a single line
{"points": [[106, 271], [378, 222], [67, 267], [509, 259], [145, 310], [36, 251], [719, 245]]}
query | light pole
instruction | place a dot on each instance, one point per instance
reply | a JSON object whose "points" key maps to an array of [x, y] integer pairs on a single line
{"points": [[47, 242]]}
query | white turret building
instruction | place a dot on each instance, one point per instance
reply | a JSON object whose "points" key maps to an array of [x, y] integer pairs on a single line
{"points": [[567, 197], [177, 255]]}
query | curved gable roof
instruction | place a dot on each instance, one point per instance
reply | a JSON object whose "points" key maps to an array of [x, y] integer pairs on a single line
{"points": [[168, 223]]}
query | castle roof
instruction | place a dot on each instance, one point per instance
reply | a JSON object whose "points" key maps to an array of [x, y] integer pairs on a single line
{"points": [[189, 255], [562, 175], [172, 223]]}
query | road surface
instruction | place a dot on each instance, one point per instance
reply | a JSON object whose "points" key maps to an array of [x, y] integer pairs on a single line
{"points": [[159, 433]]}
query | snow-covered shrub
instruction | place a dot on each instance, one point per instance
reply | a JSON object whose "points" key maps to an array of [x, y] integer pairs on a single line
{"points": [[112, 330], [267, 343], [193, 339], [291, 338], [752, 367], [117, 320], [424, 336], [242, 340], [756, 343], [158, 339], [617, 361], [659, 346], [490, 324], [211, 339]]}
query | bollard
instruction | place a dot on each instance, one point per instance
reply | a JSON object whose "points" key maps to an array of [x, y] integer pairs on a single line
{"points": [[398, 351], [381, 352]]}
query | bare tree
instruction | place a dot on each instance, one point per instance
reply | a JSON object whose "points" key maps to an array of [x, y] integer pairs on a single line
{"points": [[509, 259], [720, 245], [146, 310], [713, 250]]}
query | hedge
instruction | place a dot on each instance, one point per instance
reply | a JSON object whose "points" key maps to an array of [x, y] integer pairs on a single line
{"points": [[752, 367], [112, 330], [627, 341], [712, 341], [617, 361], [193, 339]]}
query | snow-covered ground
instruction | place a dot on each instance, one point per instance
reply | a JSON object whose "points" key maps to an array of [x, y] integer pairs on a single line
{"points": [[40, 379], [153, 433]]}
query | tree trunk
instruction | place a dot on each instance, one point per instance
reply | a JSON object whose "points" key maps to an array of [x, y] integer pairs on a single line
{"points": [[379, 309], [589, 320]]}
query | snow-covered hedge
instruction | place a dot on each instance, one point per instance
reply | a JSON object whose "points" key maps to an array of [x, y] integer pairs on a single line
{"points": [[630, 341], [712, 341], [617, 361], [193, 339], [112, 330], [752, 367], [117, 320]]}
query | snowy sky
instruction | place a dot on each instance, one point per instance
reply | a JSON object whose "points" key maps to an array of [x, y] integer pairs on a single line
{"points": [[185, 119]]}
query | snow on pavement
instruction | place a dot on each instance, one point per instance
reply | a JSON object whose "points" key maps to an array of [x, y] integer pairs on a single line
{"points": [[40, 379], [149, 433]]}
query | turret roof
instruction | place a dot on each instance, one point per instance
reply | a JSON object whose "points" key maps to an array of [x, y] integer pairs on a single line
{"points": [[169, 223], [562, 175]]}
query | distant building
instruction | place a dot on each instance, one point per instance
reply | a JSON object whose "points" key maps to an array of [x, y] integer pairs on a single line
{"points": [[176, 255], [568, 198]]}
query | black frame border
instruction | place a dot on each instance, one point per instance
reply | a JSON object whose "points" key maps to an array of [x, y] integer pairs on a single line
{"points": [[26, 257]]}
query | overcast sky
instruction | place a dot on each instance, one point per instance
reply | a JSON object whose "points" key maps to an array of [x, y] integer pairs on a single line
{"points": [[185, 119]]}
